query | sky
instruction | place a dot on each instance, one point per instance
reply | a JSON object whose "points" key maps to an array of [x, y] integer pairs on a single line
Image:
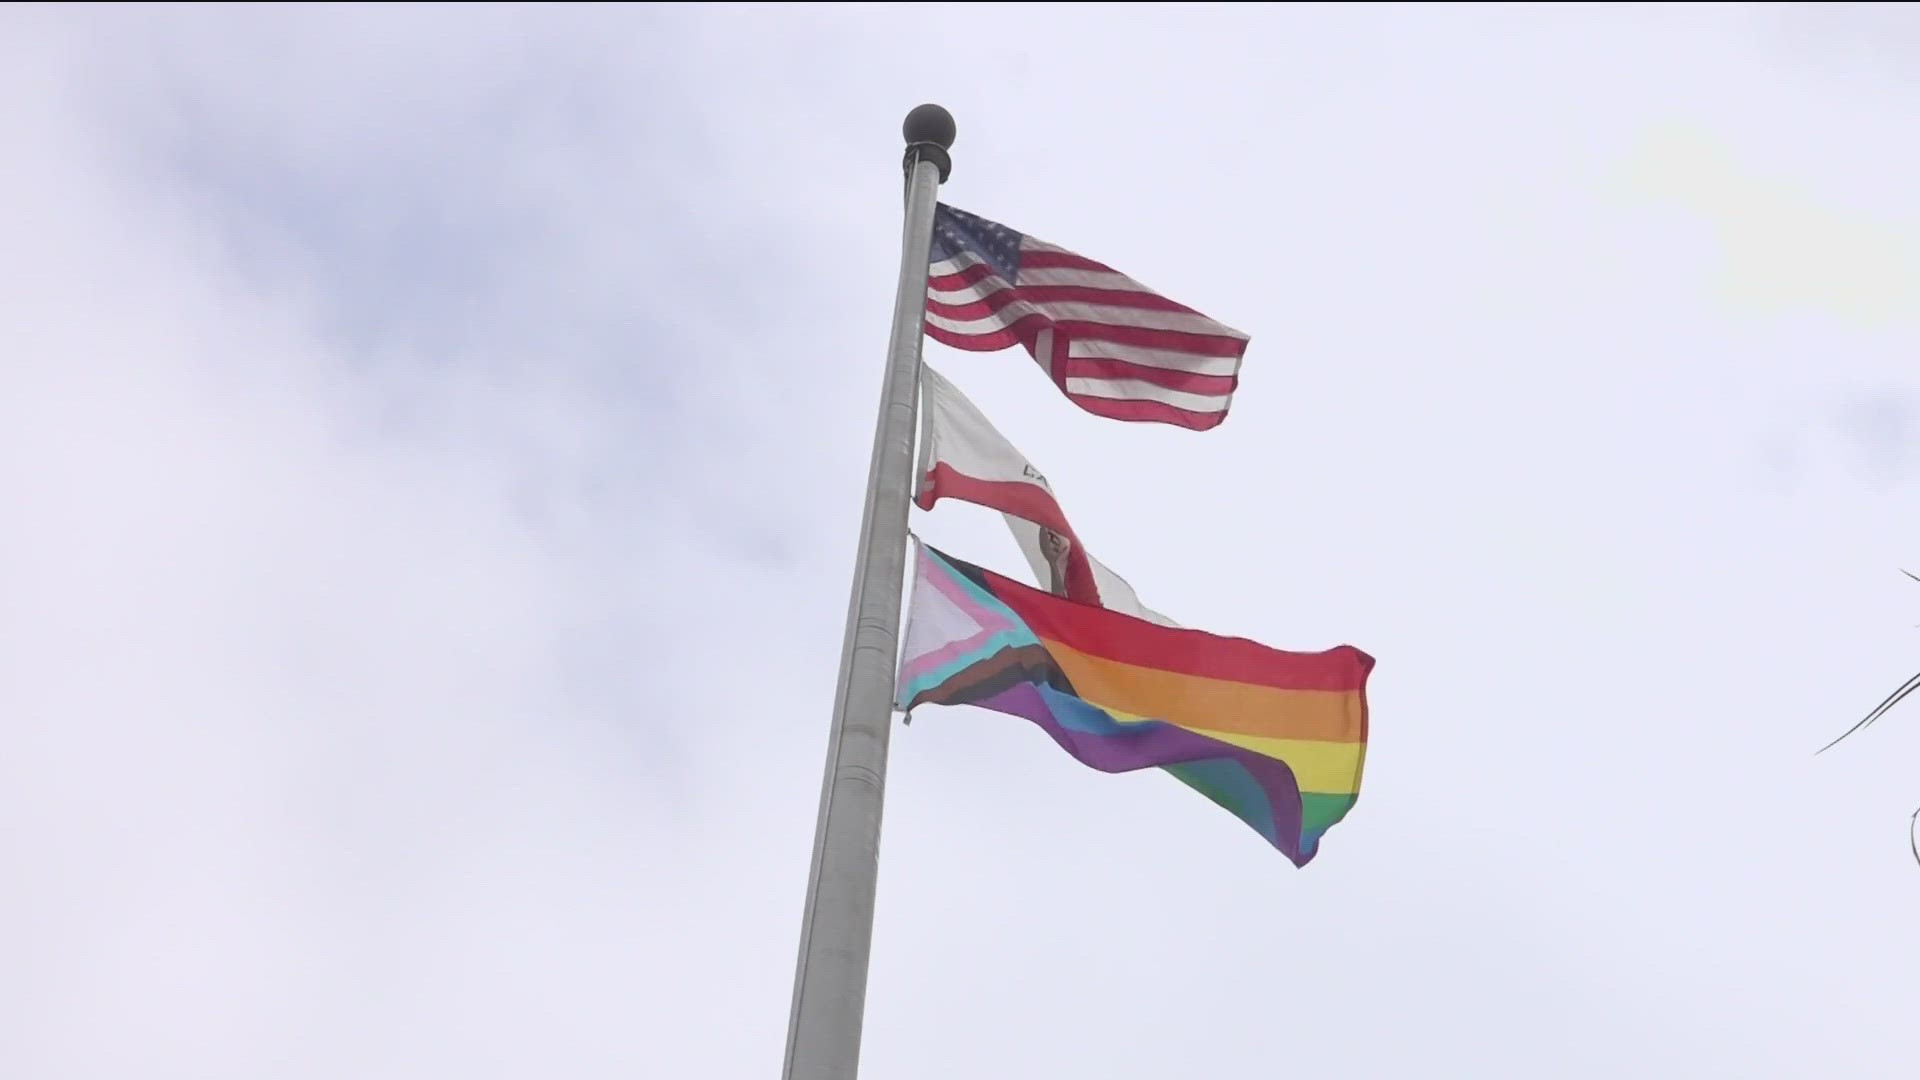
{"points": [[433, 442]]}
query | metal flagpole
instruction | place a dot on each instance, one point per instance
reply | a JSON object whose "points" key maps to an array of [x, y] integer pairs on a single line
{"points": [[830, 981]]}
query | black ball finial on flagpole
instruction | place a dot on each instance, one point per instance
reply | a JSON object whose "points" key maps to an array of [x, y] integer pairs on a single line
{"points": [[929, 124], [929, 133]]}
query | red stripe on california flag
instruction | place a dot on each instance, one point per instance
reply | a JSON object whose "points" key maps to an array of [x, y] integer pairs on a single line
{"points": [[1022, 500], [1081, 367], [1028, 501]]}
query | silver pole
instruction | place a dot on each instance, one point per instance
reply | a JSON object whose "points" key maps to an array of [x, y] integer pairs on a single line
{"points": [[830, 982]]}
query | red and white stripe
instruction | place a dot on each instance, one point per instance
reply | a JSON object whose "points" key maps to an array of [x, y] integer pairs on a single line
{"points": [[1115, 347]]}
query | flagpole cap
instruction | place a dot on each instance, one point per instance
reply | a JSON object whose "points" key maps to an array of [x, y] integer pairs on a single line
{"points": [[929, 131], [929, 124]]}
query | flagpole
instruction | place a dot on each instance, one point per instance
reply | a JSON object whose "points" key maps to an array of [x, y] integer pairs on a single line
{"points": [[830, 979]]}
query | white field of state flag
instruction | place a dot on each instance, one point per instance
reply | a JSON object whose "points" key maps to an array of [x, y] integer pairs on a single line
{"points": [[963, 456]]}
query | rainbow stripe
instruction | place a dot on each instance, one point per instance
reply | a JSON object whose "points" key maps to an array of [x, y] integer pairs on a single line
{"points": [[1277, 738]]}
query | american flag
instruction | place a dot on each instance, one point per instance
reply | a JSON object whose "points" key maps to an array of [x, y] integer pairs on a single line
{"points": [[1115, 347]]}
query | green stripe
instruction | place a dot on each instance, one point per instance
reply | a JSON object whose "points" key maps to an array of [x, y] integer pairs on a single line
{"points": [[1318, 812]]}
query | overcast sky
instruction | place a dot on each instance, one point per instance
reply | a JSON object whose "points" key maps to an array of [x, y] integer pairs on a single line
{"points": [[431, 451]]}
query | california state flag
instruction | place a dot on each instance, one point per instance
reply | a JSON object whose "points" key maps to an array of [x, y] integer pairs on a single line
{"points": [[963, 457]]}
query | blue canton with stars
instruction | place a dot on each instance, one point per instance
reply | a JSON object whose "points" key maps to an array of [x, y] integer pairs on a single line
{"points": [[955, 231]]}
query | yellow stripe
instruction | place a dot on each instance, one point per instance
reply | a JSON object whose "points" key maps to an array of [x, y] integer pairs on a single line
{"points": [[1217, 704], [1320, 767], [1328, 768]]}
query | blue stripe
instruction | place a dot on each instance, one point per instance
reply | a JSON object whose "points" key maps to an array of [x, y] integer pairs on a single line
{"points": [[1005, 639], [1081, 715], [1228, 784]]}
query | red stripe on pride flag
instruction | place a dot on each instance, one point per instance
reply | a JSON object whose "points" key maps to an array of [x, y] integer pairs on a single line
{"points": [[1111, 635]]}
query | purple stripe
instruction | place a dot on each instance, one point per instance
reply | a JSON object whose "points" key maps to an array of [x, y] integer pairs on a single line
{"points": [[1156, 743]]}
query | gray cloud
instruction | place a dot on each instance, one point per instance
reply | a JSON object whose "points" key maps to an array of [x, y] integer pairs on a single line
{"points": [[1880, 426]]}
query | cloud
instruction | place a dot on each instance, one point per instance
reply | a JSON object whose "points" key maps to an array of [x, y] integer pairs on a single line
{"points": [[440, 438], [1779, 247], [307, 777], [1879, 431]]}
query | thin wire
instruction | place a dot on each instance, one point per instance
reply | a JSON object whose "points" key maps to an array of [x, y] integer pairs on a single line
{"points": [[1880, 710]]}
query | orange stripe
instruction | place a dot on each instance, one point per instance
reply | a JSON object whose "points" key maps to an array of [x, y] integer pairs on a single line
{"points": [[1213, 704]]}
